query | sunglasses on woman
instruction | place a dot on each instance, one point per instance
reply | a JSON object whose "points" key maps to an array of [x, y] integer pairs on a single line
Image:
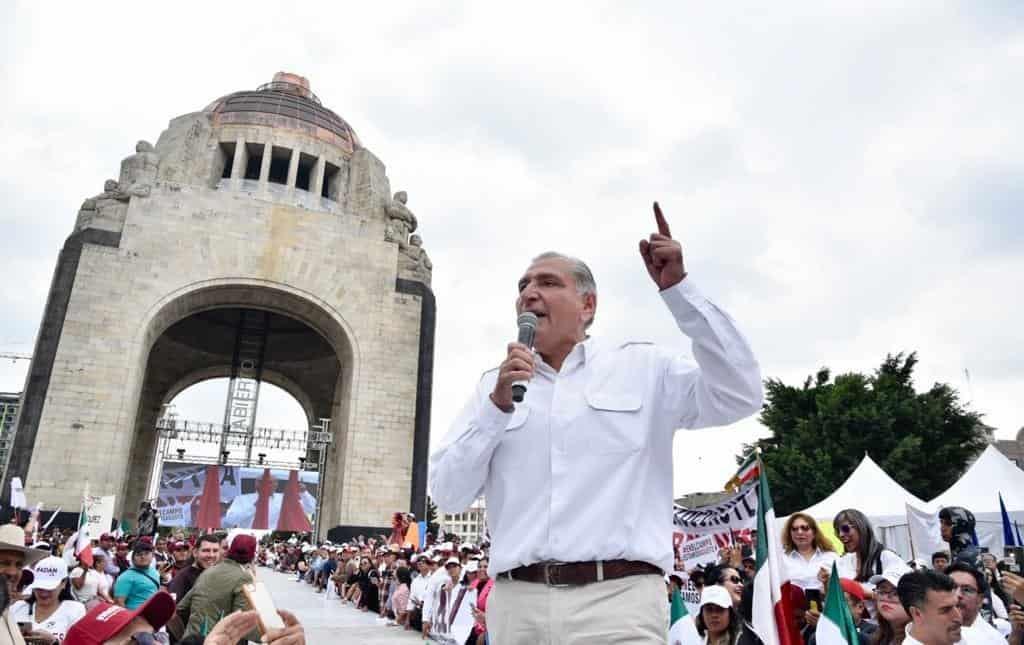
{"points": [[733, 579], [845, 528], [149, 638]]}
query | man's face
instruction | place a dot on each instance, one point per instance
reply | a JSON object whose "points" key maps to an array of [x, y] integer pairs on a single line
{"points": [[106, 544], [142, 559], [161, 545], [548, 289], [939, 621], [208, 554], [939, 564], [181, 554], [122, 551], [11, 563], [946, 527], [969, 594]]}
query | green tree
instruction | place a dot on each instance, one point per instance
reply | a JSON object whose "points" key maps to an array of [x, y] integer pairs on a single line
{"points": [[821, 431]]}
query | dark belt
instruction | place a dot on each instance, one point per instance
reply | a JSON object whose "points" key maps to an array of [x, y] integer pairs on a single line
{"points": [[568, 574]]}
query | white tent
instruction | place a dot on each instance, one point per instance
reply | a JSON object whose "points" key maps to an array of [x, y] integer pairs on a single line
{"points": [[871, 491], [979, 489]]}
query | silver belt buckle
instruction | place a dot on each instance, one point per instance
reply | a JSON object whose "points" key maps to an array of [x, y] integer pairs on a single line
{"points": [[547, 575]]}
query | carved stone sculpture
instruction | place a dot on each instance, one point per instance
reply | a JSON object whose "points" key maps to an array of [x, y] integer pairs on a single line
{"points": [[138, 172], [413, 260], [401, 221]]}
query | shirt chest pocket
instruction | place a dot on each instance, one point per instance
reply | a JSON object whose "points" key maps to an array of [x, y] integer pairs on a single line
{"points": [[611, 423]]}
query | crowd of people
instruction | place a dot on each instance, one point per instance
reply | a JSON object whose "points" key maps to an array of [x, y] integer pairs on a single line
{"points": [[187, 591], [963, 595], [130, 590], [440, 592]]}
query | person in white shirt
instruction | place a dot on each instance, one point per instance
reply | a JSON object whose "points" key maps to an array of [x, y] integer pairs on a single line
{"points": [[971, 589], [865, 556], [430, 597], [807, 551], [931, 600], [418, 588], [578, 476], [453, 614], [50, 607], [90, 585]]}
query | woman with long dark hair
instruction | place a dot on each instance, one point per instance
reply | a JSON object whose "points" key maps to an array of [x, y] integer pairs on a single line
{"points": [[864, 555], [892, 617]]}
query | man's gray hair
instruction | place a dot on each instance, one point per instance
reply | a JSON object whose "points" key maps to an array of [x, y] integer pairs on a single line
{"points": [[581, 274]]}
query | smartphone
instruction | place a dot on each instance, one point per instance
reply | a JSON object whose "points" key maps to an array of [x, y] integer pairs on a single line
{"points": [[813, 595], [259, 599]]}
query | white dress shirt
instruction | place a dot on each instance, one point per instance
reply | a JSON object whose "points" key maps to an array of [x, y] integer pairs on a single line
{"points": [[847, 566], [803, 572], [434, 584], [417, 591], [582, 469], [981, 633]]}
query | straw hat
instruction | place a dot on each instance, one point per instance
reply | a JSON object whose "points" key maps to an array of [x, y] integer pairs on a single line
{"points": [[12, 538]]}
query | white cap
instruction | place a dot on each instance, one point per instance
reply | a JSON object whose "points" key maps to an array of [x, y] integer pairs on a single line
{"points": [[892, 576], [447, 546], [49, 573], [452, 561], [472, 566], [715, 595]]}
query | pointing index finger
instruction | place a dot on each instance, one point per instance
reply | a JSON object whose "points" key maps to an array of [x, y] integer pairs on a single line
{"points": [[660, 219]]}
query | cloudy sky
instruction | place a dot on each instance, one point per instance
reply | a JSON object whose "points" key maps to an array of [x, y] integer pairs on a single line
{"points": [[846, 181]]}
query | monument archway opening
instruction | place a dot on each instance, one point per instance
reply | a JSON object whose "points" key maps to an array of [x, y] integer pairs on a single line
{"points": [[247, 338]]}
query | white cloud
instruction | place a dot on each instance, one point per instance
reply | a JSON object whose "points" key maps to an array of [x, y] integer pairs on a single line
{"points": [[845, 179]]}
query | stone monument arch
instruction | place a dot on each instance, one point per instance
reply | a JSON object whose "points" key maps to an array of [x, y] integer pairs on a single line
{"points": [[259, 221]]}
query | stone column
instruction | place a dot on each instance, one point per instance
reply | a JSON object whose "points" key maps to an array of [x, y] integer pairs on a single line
{"points": [[268, 151], [240, 162], [293, 169], [316, 182]]}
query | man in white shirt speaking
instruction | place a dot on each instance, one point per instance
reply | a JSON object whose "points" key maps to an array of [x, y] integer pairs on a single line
{"points": [[578, 477]]}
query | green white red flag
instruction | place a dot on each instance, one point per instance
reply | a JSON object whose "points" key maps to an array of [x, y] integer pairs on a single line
{"points": [[836, 626], [773, 618], [83, 542], [749, 471]]}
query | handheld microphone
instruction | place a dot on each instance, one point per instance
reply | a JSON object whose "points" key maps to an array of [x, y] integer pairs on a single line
{"points": [[527, 322]]}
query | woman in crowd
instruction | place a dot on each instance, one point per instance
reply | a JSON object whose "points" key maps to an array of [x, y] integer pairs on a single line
{"points": [[484, 584], [727, 577], [453, 617], [892, 617], [807, 551], [90, 585], [50, 607], [864, 555], [718, 621], [366, 582], [400, 597]]}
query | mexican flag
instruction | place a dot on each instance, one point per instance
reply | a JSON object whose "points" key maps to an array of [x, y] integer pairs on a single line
{"points": [[681, 629], [773, 618], [836, 626], [83, 543], [748, 472]]}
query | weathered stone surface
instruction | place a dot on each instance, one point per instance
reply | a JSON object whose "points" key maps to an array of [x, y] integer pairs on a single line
{"points": [[191, 241]]}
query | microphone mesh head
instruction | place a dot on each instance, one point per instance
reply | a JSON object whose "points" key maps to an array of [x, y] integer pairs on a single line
{"points": [[527, 318]]}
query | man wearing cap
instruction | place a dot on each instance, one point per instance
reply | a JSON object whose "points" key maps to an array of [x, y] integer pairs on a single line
{"points": [[207, 554], [14, 556], [437, 579], [578, 476], [134, 586], [218, 592], [106, 623], [418, 590]]}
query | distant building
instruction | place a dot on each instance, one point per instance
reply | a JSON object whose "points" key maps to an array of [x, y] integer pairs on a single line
{"points": [[1013, 448], [470, 526], [8, 414]]}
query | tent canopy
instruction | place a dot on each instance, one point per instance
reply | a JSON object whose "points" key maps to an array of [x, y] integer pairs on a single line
{"points": [[992, 473], [870, 490]]}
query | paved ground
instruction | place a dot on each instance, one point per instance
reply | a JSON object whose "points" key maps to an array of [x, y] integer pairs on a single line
{"points": [[326, 621]]}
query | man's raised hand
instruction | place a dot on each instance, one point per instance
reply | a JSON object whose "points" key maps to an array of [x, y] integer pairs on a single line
{"points": [[662, 255]]}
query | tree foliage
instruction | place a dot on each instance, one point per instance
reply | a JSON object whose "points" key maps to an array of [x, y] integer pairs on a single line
{"points": [[821, 431]]}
